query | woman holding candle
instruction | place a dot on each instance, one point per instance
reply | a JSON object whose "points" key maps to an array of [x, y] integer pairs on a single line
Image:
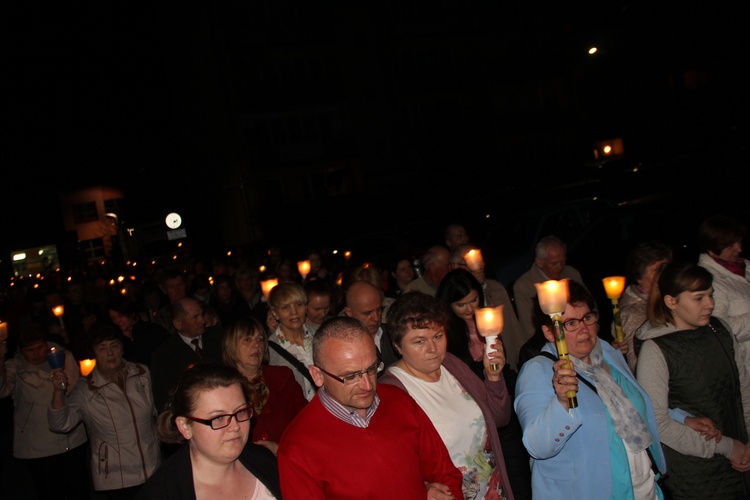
{"points": [[644, 263], [210, 416], [690, 360], [274, 394], [115, 404], [56, 461], [465, 409], [603, 447]]}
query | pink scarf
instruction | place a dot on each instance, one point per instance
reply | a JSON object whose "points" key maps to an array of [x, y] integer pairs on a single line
{"points": [[737, 268]]}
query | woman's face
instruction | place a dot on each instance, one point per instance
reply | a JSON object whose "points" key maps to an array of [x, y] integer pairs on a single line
{"points": [[404, 271], [580, 341], [250, 350], [224, 292], [35, 353], [123, 321], [691, 310], [733, 252], [465, 307], [108, 354], [424, 349], [221, 446], [292, 314]]}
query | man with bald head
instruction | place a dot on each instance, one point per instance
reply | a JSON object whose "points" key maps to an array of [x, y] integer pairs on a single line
{"points": [[357, 439], [364, 301]]}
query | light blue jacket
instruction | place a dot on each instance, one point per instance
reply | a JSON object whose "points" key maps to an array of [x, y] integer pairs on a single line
{"points": [[570, 457]]}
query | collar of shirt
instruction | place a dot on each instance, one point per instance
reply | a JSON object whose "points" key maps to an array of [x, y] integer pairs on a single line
{"points": [[189, 341], [345, 414], [378, 336]]}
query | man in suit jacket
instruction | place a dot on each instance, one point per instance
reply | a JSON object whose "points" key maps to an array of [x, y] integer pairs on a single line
{"points": [[191, 343], [364, 301]]}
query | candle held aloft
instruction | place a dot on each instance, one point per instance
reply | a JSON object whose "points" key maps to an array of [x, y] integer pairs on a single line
{"points": [[490, 325], [3, 331], [553, 296], [56, 360], [613, 287], [58, 311], [86, 365], [303, 267], [267, 285], [474, 260]]}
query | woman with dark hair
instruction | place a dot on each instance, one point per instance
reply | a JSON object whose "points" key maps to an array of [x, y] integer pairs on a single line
{"points": [[56, 461], [720, 243], [691, 361], [210, 415], [462, 293], [140, 337], [602, 448], [116, 405]]}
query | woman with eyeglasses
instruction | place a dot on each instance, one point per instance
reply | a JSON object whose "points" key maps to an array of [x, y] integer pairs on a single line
{"points": [[606, 447], [465, 410], [210, 413]]}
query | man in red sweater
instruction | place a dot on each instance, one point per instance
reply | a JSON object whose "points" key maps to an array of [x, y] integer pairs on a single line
{"points": [[353, 441]]}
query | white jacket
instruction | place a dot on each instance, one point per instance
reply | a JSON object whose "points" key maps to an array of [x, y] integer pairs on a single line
{"points": [[121, 426], [732, 296], [31, 389]]}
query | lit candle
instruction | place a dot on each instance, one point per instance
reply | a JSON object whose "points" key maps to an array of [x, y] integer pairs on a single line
{"points": [[613, 287], [86, 366], [490, 325], [303, 267], [58, 312], [267, 285], [3, 332], [553, 299], [474, 260]]}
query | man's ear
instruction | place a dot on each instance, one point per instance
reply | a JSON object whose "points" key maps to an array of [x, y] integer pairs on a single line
{"points": [[348, 311], [317, 375], [549, 334]]}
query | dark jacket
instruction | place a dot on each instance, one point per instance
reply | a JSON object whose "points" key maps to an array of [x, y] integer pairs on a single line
{"points": [[173, 480]]}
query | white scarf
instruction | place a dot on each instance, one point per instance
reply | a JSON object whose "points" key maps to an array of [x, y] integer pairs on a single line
{"points": [[629, 424]]}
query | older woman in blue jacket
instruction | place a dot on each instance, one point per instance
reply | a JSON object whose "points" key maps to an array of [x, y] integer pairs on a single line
{"points": [[606, 447]]}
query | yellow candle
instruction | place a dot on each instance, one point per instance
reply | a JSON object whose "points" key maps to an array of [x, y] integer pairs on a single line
{"points": [[303, 267], [553, 296], [474, 260], [267, 285], [86, 366], [614, 286]]}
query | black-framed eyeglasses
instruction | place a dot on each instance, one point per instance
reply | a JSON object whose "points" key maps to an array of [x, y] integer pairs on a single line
{"points": [[353, 378], [572, 325], [221, 421]]}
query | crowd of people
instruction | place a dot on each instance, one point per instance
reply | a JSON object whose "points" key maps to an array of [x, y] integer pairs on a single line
{"points": [[375, 381]]}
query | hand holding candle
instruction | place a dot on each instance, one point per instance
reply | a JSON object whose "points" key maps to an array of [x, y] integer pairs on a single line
{"points": [[490, 325], [614, 286], [553, 299]]}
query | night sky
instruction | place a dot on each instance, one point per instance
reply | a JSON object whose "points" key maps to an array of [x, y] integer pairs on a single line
{"points": [[89, 98]]}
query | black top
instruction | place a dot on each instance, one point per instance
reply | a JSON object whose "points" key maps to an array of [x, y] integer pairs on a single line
{"points": [[173, 480]]}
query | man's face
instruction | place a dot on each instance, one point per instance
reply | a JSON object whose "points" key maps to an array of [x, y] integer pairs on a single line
{"points": [[175, 289], [552, 266], [365, 303], [193, 324], [342, 358]]}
